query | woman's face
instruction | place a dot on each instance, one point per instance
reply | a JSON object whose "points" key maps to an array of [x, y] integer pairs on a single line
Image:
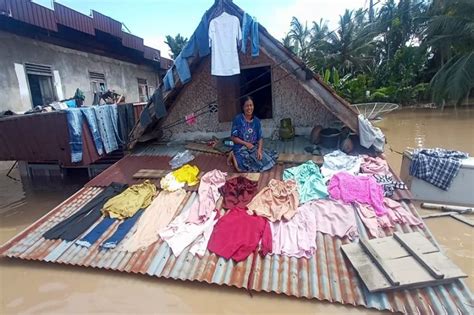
{"points": [[248, 107]]}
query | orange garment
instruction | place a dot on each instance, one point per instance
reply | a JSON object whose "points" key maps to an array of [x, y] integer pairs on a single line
{"points": [[276, 201]]}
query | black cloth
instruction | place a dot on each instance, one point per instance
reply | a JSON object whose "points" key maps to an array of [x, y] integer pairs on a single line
{"points": [[72, 227], [157, 100], [126, 120]]}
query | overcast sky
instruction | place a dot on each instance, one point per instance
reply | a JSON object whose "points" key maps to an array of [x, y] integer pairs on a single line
{"points": [[154, 19]]}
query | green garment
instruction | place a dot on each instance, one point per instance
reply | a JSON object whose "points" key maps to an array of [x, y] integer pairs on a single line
{"points": [[134, 198], [309, 179]]}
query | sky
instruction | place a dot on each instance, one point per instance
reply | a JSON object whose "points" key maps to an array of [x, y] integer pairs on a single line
{"points": [[154, 19]]}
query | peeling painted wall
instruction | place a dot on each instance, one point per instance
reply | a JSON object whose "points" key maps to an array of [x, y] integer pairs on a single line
{"points": [[289, 100], [72, 68]]}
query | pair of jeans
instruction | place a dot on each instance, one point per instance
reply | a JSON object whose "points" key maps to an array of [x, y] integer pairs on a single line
{"points": [[126, 120], [158, 102], [74, 122], [250, 29], [199, 41], [96, 233], [108, 126], [168, 80], [70, 228], [121, 231], [182, 68], [91, 119]]}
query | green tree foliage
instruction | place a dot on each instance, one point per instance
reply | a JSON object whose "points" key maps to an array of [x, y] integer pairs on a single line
{"points": [[176, 44], [402, 51]]}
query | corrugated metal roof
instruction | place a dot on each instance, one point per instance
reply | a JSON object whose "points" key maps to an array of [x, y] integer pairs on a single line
{"points": [[325, 276], [106, 24], [32, 13], [42, 138], [132, 41], [73, 19], [151, 53]]}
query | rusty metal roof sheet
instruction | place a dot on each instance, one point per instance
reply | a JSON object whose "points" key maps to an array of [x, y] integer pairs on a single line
{"points": [[325, 276], [73, 19], [107, 24], [32, 13], [132, 41], [42, 137], [152, 54]]}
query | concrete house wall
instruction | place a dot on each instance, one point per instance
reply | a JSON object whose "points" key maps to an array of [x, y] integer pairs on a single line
{"points": [[288, 97], [71, 71]]}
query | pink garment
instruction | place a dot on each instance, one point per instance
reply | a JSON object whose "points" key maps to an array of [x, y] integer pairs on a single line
{"points": [[374, 165], [190, 119], [208, 196], [364, 189], [295, 237], [396, 214], [334, 218]]}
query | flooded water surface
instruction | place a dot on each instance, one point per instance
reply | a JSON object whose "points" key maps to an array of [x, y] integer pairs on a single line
{"points": [[33, 287]]}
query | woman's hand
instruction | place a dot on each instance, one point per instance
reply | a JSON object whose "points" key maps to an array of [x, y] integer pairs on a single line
{"points": [[259, 154], [249, 145]]}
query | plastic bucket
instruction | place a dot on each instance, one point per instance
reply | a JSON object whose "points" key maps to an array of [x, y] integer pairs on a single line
{"points": [[329, 138]]}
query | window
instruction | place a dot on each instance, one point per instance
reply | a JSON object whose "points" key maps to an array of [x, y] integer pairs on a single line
{"points": [[97, 82], [142, 90], [40, 81], [255, 82]]}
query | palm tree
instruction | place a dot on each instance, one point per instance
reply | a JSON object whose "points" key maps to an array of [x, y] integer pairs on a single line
{"points": [[450, 33], [176, 44], [300, 38]]}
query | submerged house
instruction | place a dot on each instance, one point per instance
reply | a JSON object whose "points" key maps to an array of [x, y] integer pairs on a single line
{"points": [[292, 92], [47, 54]]}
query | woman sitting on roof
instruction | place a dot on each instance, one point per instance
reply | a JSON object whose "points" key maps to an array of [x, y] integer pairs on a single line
{"points": [[248, 154]]}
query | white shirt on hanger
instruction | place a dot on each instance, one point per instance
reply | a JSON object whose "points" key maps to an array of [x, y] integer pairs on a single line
{"points": [[224, 35]]}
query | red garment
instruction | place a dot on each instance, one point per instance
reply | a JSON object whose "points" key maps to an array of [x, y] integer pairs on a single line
{"points": [[238, 192], [237, 234]]}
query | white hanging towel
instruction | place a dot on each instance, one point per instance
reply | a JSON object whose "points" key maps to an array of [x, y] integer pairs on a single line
{"points": [[224, 35]]}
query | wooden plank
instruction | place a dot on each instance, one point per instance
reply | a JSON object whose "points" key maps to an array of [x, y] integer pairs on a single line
{"points": [[388, 248], [443, 263], [417, 242], [432, 269], [200, 147], [379, 262], [453, 215], [150, 173], [299, 158]]}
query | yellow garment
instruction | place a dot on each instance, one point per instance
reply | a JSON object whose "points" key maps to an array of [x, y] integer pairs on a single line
{"points": [[187, 174], [134, 198]]}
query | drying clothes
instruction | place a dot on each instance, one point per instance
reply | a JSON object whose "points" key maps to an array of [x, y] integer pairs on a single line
{"points": [[250, 29], [156, 217], [126, 120], [108, 126], [96, 233], [169, 183], [91, 119], [179, 234], [74, 121], [334, 217], [337, 161], [374, 165], [168, 80], [159, 103], [121, 231], [310, 181], [238, 192], [145, 117], [199, 41], [295, 237], [237, 234], [79, 222], [190, 119], [208, 195], [180, 159], [187, 174], [364, 189], [436, 166], [389, 184], [370, 135], [248, 161], [224, 35], [130, 201], [277, 201], [182, 68], [396, 214]]}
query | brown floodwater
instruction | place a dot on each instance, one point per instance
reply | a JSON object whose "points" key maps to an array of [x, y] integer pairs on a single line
{"points": [[34, 287]]}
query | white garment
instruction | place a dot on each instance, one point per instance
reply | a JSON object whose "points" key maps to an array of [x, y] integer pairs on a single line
{"points": [[169, 183], [224, 35], [338, 161], [179, 234], [370, 135]]}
